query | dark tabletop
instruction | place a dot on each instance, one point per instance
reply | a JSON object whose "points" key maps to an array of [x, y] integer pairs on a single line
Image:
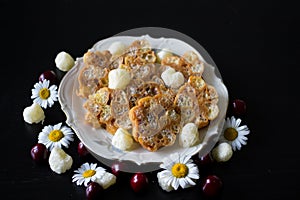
{"points": [[255, 45]]}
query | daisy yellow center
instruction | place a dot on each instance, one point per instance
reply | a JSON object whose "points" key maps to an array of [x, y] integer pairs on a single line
{"points": [[230, 134], [179, 170], [89, 173], [55, 135], [44, 93]]}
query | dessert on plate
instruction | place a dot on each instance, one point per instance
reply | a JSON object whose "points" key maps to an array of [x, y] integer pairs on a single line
{"points": [[151, 93]]}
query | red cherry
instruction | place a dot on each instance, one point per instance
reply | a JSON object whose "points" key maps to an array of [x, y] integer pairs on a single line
{"points": [[39, 153], [48, 75], [93, 191], [238, 107], [139, 182], [212, 186], [204, 160], [81, 149], [116, 169]]}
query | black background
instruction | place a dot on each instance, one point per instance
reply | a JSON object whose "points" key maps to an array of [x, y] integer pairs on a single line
{"points": [[255, 45]]}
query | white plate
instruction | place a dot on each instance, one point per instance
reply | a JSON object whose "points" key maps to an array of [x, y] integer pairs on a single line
{"points": [[98, 141]]}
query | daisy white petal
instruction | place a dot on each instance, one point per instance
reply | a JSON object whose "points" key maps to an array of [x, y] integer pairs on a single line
{"points": [[86, 181], [170, 181], [186, 159], [57, 126], [243, 131], [237, 144], [65, 129], [191, 166], [75, 178], [237, 122], [232, 121], [64, 142], [46, 83], [86, 166], [193, 176], [80, 181], [93, 166], [163, 181], [243, 142], [183, 183], [35, 93], [175, 183], [243, 138], [38, 85], [190, 181], [53, 87], [165, 173]]}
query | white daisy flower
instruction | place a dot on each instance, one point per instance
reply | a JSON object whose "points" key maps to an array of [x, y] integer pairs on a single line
{"points": [[86, 173], [44, 95], [56, 136], [179, 171], [234, 134]]}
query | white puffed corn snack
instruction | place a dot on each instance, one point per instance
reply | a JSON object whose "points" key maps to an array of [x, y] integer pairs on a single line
{"points": [[189, 135], [163, 182], [118, 79], [163, 54], [106, 180], [172, 78], [59, 160], [64, 61], [33, 114], [117, 48], [122, 139], [223, 152]]}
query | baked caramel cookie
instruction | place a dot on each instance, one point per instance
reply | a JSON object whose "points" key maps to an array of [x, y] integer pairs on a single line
{"points": [[94, 73], [108, 108], [155, 121]]}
